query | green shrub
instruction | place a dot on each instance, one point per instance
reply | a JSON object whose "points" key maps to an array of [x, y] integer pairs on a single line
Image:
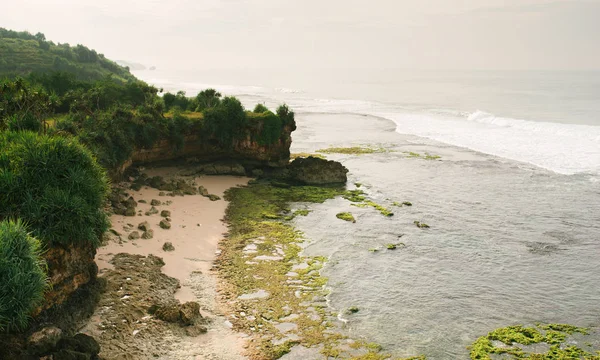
{"points": [[271, 129], [225, 122], [22, 275], [260, 108], [55, 185]]}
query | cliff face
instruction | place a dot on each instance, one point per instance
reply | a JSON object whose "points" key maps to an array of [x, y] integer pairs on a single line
{"points": [[68, 269], [246, 150]]}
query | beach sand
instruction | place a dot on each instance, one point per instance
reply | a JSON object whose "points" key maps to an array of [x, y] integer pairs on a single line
{"points": [[196, 229]]}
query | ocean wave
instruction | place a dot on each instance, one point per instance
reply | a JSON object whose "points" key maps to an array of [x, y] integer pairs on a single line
{"points": [[563, 148]]}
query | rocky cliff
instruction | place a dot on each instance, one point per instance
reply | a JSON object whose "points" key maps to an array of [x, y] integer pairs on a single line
{"points": [[69, 268], [246, 150]]}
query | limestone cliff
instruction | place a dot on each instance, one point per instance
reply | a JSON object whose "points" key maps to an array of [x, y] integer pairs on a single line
{"points": [[246, 149], [69, 268]]}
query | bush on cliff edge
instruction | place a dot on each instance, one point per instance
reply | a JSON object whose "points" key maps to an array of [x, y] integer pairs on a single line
{"points": [[22, 275], [55, 185]]}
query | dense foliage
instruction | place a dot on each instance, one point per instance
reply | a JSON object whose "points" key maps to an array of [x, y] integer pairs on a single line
{"points": [[22, 275], [22, 53], [55, 185]]}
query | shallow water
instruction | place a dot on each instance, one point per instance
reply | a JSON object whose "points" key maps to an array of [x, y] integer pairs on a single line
{"points": [[509, 243]]}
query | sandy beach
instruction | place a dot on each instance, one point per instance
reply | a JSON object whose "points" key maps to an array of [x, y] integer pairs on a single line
{"points": [[196, 229]]}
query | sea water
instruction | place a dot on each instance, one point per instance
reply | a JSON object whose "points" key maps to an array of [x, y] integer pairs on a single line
{"points": [[513, 203]]}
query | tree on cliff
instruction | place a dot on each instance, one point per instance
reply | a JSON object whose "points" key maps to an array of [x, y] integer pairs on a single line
{"points": [[207, 99], [225, 122]]}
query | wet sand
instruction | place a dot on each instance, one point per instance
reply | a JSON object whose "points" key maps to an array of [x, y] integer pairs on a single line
{"points": [[196, 229]]}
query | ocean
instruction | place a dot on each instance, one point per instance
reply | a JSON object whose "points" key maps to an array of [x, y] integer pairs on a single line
{"points": [[513, 202]]}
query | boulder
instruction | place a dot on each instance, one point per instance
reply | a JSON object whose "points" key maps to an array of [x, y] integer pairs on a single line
{"points": [[152, 211], [144, 226], [164, 224], [315, 171], [44, 341], [214, 197], [202, 190], [155, 202], [189, 312], [130, 211], [134, 235], [165, 213], [148, 234], [168, 247]]}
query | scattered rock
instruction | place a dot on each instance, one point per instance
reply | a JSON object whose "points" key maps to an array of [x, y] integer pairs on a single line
{"points": [[165, 213], [131, 202], [185, 314], [45, 340], [202, 190], [115, 232], [352, 310], [164, 224], [142, 201], [315, 171], [144, 226], [156, 182], [162, 193], [130, 211], [421, 225], [189, 312], [148, 234], [186, 188], [134, 235], [152, 211], [213, 197], [168, 247]]}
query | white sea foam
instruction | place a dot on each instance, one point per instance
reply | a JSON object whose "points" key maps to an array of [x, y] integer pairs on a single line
{"points": [[563, 148]]}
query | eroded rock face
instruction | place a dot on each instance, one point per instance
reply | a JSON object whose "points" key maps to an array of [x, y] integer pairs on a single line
{"points": [[69, 268], [315, 171], [245, 150]]}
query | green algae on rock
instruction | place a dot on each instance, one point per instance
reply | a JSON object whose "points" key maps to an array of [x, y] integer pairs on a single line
{"points": [[354, 150], [267, 284], [421, 225], [427, 156], [509, 342], [346, 216]]}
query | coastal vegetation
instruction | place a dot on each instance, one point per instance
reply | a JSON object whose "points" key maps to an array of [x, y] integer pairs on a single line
{"points": [[24, 53], [22, 275]]}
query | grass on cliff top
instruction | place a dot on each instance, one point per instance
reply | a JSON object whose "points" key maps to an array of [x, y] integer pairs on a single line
{"points": [[355, 150], [257, 216], [515, 337]]}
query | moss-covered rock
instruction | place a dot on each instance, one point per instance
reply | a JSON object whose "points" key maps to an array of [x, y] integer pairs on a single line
{"points": [[316, 171], [346, 216]]}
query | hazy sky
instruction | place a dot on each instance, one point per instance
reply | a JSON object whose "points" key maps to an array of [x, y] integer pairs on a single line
{"points": [[442, 34]]}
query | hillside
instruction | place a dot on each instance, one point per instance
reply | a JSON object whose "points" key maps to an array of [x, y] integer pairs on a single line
{"points": [[22, 53]]}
